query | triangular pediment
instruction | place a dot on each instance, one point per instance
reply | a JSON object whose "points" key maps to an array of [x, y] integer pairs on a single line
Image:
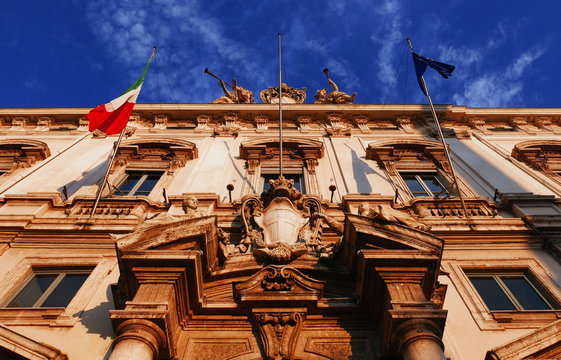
{"points": [[176, 235], [367, 233], [17, 346], [198, 233], [544, 343]]}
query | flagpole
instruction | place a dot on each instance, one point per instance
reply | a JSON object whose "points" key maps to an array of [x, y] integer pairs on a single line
{"points": [[113, 154], [280, 109], [441, 138], [109, 166]]}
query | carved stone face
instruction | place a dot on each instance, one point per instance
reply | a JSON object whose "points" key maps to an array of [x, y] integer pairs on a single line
{"points": [[363, 209], [190, 203], [321, 94]]}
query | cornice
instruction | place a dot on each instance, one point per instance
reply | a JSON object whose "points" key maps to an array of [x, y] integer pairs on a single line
{"points": [[236, 119]]}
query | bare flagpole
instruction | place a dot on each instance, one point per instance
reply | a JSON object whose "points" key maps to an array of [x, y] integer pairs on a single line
{"points": [[109, 166], [446, 152], [112, 160], [280, 109]]}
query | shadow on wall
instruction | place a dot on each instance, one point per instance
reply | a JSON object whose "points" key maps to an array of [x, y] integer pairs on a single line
{"points": [[90, 177], [97, 320], [493, 177], [240, 174], [360, 171]]}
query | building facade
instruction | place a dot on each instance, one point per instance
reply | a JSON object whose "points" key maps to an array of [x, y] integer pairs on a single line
{"points": [[361, 250]]}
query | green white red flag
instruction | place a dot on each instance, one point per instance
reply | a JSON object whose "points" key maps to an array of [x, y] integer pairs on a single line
{"points": [[112, 117]]}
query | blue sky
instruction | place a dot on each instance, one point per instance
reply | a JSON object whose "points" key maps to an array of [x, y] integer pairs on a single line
{"points": [[71, 53]]}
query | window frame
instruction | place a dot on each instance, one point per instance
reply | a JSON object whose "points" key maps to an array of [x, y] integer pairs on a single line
{"points": [[428, 192], [300, 156], [276, 171], [116, 189], [458, 270], [61, 274], [498, 278], [100, 266]]}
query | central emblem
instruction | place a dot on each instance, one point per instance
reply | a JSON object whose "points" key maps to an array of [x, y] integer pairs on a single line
{"points": [[279, 225], [281, 222]]}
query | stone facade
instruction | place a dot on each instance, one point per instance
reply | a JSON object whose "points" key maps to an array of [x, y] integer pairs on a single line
{"points": [[361, 250]]}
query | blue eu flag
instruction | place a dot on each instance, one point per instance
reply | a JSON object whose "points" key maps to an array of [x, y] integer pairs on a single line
{"points": [[421, 63]]}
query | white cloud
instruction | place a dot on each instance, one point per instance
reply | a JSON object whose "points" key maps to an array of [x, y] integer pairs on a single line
{"points": [[130, 29], [499, 88], [388, 35]]}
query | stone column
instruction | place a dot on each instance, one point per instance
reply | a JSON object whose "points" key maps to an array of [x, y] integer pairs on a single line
{"points": [[137, 339], [420, 339]]}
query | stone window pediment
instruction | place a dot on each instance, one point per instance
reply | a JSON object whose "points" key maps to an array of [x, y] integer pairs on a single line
{"points": [[167, 154], [542, 155], [156, 156], [300, 157], [402, 159], [293, 148], [21, 153]]}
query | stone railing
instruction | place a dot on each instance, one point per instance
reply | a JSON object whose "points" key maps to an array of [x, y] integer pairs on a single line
{"points": [[452, 207], [107, 207]]}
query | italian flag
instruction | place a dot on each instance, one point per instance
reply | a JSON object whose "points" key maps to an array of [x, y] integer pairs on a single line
{"points": [[112, 117]]}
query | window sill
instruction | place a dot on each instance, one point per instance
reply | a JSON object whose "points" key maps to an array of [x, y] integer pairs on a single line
{"points": [[36, 316], [526, 316]]}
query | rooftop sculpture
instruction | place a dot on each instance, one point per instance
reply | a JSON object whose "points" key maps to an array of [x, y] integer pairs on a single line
{"points": [[290, 95], [335, 96]]}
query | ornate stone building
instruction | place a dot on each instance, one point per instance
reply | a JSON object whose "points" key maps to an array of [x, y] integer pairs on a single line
{"points": [[362, 250]]}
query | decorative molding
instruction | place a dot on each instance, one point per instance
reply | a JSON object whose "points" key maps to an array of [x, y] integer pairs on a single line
{"points": [[202, 122], [261, 123], [156, 153], [521, 123], [478, 123], [83, 124], [336, 126], [279, 332], [303, 122], [404, 122], [160, 122], [230, 128], [18, 123], [21, 153], [361, 122], [43, 123]]}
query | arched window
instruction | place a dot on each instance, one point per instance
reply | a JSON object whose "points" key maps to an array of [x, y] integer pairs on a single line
{"points": [[300, 159], [146, 166], [21, 153], [542, 155], [416, 168]]}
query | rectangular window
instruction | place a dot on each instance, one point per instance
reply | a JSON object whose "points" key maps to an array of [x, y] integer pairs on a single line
{"points": [[138, 183], [298, 180], [50, 288], [510, 291], [425, 184]]}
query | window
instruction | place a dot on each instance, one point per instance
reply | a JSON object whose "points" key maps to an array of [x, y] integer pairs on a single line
{"points": [[54, 288], [298, 180], [138, 183], [510, 291], [425, 184], [300, 160]]}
